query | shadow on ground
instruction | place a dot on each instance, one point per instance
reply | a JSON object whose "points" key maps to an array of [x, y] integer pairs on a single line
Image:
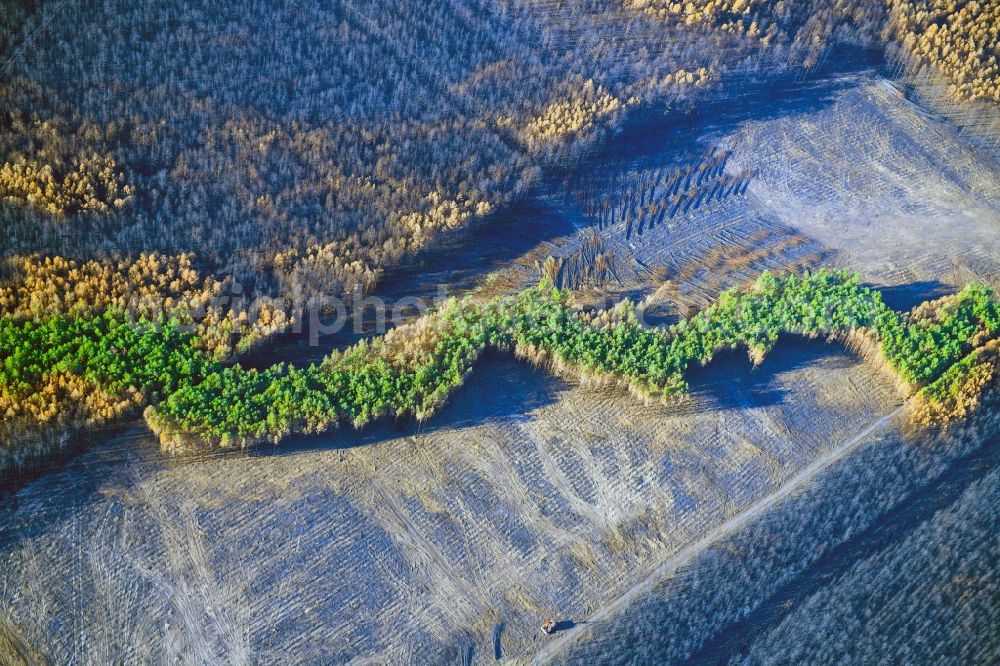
{"points": [[905, 297], [732, 381], [916, 509], [652, 134], [453, 267], [503, 388]]}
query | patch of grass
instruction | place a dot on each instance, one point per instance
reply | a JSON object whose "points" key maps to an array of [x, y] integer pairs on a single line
{"points": [[958, 391]]}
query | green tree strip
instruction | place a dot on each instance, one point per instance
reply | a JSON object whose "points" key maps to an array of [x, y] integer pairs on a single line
{"points": [[198, 402], [239, 407]]}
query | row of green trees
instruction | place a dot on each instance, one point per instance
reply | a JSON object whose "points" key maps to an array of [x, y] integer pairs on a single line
{"points": [[197, 401], [239, 407]]}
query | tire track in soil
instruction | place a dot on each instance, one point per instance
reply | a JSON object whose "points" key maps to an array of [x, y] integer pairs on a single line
{"points": [[466, 601], [914, 510], [211, 623], [520, 495], [558, 479], [687, 554]]}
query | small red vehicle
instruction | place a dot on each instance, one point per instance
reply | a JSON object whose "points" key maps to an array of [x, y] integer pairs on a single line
{"points": [[549, 626]]}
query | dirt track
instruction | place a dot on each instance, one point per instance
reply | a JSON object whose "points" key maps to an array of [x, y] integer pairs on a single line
{"points": [[674, 562]]}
